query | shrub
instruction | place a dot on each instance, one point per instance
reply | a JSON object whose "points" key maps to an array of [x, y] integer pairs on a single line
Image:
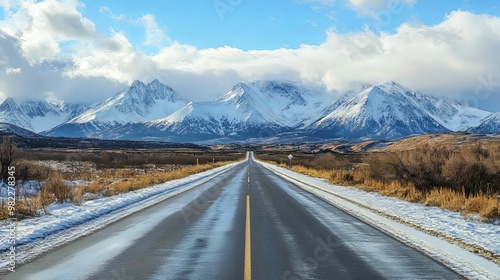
{"points": [[463, 178], [55, 190]]}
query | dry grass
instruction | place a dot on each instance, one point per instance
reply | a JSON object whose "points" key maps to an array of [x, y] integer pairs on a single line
{"points": [[111, 182], [104, 172], [396, 189], [427, 175], [486, 206], [446, 199], [116, 185], [29, 207]]}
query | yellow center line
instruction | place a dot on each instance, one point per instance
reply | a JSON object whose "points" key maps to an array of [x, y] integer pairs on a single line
{"points": [[248, 260]]}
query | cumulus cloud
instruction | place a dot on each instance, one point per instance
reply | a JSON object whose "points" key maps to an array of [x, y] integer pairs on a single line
{"points": [[454, 58], [41, 26], [22, 80]]}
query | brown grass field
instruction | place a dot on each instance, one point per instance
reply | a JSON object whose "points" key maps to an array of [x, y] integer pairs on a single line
{"points": [[449, 171], [104, 172]]}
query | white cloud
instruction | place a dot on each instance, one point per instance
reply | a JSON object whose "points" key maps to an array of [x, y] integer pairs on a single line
{"points": [[155, 36], [457, 51], [35, 80], [118, 18], [311, 23], [41, 26], [12, 70], [117, 60], [8, 4], [372, 8], [447, 58]]}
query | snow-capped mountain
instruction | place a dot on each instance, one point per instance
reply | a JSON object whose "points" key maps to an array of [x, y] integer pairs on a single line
{"points": [[253, 110], [491, 124], [138, 103], [385, 111], [37, 115], [450, 113], [12, 114], [256, 109], [283, 103], [391, 110]]}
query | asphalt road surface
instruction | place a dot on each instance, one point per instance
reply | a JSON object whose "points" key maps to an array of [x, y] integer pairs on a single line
{"points": [[245, 224]]}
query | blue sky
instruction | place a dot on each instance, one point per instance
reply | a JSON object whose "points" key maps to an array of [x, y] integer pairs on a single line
{"points": [[266, 24], [83, 51]]}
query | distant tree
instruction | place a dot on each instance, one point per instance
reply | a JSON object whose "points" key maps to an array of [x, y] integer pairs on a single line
{"points": [[7, 151]]}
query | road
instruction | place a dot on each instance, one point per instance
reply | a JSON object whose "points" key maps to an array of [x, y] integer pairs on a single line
{"points": [[245, 224]]}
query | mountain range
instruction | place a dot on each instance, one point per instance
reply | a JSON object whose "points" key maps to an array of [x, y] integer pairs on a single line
{"points": [[138, 103], [252, 111], [37, 115]]}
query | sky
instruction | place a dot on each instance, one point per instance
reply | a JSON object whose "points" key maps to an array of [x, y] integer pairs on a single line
{"points": [[85, 51]]}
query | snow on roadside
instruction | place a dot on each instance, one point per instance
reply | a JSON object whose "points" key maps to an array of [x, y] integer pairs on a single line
{"points": [[447, 223], [31, 188], [28, 188], [68, 222]]}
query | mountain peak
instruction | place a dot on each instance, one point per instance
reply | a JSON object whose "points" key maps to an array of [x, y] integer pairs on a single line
{"points": [[156, 85], [138, 103], [142, 92], [155, 82], [383, 93], [393, 87], [235, 94], [279, 102], [393, 84], [240, 86], [490, 124], [137, 84], [8, 103]]}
